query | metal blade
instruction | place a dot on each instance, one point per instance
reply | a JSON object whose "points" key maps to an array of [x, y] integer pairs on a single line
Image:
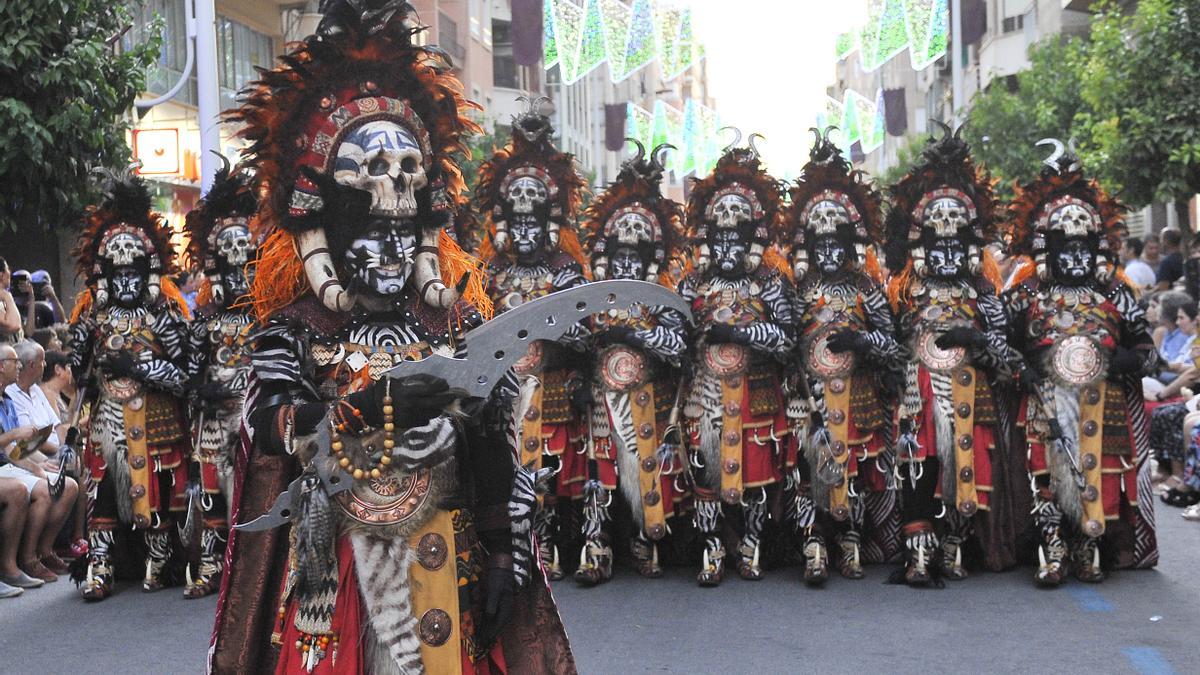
{"points": [[282, 511], [495, 346]]}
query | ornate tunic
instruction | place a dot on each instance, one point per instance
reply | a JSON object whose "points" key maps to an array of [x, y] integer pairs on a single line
{"points": [[635, 388], [137, 421], [734, 409], [949, 392], [218, 353], [846, 387], [551, 424], [1072, 332]]}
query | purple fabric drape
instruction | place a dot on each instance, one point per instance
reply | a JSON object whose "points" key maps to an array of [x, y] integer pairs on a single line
{"points": [[527, 32]]}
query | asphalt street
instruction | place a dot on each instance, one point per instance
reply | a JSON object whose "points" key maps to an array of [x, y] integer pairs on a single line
{"points": [[1135, 622]]}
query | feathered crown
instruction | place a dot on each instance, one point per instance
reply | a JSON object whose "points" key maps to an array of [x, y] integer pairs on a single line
{"points": [[230, 201], [530, 153], [123, 230], [828, 178], [1061, 202], [361, 66], [944, 171], [635, 192], [738, 172]]}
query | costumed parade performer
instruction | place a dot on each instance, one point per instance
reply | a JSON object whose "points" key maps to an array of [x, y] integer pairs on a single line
{"points": [[220, 245], [528, 196], [743, 307], [1087, 344], [397, 548], [634, 232], [128, 334], [849, 358]]}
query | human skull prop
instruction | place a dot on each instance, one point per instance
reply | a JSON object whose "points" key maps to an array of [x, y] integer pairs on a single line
{"points": [[233, 243], [384, 159], [731, 211], [525, 194], [123, 249], [632, 227], [826, 216], [945, 215], [1073, 219]]}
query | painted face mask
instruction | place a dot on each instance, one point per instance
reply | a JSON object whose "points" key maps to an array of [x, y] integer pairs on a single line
{"points": [[1074, 262], [127, 284], [381, 261], [830, 254], [233, 252], [729, 253], [528, 237], [946, 258], [627, 264]]}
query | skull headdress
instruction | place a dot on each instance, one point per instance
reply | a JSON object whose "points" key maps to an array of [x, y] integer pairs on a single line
{"points": [[943, 197], [529, 178], [1061, 205], [632, 212], [737, 196], [830, 199], [219, 238], [122, 231], [359, 103]]}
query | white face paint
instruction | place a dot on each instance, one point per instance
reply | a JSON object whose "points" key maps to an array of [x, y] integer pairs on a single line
{"points": [[526, 194], [945, 215], [123, 249], [384, 159], [732, 210]]}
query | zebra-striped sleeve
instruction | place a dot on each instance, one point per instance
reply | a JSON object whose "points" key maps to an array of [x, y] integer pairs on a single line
{"points": [[884, 348], [197, 355], [998, 355], [667, 340], [165, 371], [276, 356], [777, 335], [1135, 330]]}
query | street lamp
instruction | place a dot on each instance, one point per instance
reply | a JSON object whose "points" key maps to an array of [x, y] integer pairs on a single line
{"points": [[200, 19]]}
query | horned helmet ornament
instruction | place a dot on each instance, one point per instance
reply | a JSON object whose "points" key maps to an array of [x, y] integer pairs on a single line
{"points": [[1062, 205], [632, 214], [832, 200], [738, 196]]}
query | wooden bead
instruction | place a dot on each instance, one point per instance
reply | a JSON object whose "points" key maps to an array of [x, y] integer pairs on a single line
{"points": [[344, 462], [389, 443], [376, 473], [385, 460], [388, 426], [337, 446], [388, 410], [358, 474]]}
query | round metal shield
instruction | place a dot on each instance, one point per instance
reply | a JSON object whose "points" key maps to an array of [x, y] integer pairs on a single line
{"points": [[823, 362], [622, 368], [935, 358], [1077, 360], [726, 359], [387, 500], [531, 362]]}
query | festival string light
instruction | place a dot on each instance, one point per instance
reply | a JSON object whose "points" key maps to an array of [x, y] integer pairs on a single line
{"points": [[920, 26], [858, 120], [693, 131], [582, 34]]}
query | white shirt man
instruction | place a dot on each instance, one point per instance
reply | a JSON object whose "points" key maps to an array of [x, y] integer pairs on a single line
{"points": [[1140, 273], [34, 408]]}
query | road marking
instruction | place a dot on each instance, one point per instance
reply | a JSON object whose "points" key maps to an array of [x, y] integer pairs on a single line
{"points": [[1147, 661], [1089, 599]]}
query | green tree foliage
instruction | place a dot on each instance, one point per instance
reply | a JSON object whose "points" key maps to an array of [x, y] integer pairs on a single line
{"points": [[65, 84], [1142, 79], [906, 156], [1005, 123]]}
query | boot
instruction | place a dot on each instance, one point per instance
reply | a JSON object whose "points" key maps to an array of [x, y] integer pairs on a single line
{"points": [[816, 561], [921, 543], [212, 561], [595, 562], [554, 570], [645, 557], [850, 564], [1087, 561], [1051, 554], [712, 568], [748, 567], [98, 584], [952, 567], [158, 545], [544, 526]]}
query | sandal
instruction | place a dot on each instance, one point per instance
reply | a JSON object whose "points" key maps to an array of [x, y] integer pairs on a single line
{"points": [[1177, 498], [1191, 513], [79, 548]]}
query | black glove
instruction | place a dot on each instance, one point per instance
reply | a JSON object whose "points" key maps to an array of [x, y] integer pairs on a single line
{"points": [[961, 336], [722, 333], [581, 398], [622, 334], [213, 392], [847, 340], [1030, 380], [501, 592], [1125, 362], [342, 203], [415, 399], [118, 364]]}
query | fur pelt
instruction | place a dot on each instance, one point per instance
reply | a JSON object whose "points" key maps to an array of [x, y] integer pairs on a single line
{"points": [[628, 469], [1062, 478], [108, 433], [382, 564]]}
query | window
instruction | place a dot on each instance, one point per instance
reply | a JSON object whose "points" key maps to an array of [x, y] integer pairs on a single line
{"points": [[448, 37], [504, 68], [166, 72], [1013, 23], [239, 49], [474, 15]]}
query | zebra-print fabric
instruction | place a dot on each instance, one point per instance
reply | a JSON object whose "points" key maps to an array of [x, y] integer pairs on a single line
{"points": [[522, 508], [428, 446], [383, 578]]}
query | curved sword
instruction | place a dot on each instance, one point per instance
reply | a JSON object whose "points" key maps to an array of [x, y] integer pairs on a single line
{"points": [[492, 349]]}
